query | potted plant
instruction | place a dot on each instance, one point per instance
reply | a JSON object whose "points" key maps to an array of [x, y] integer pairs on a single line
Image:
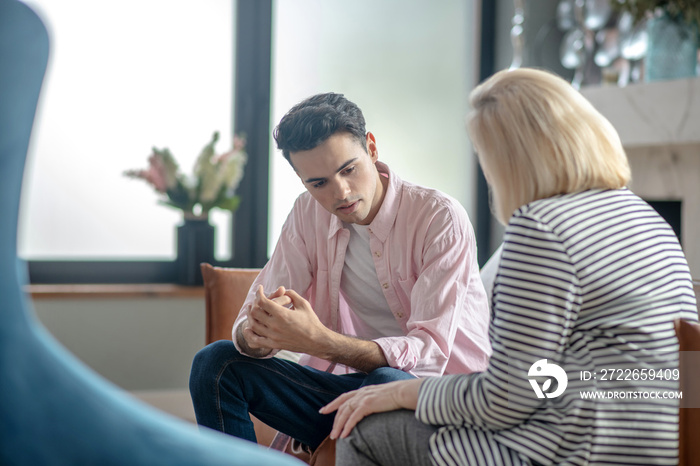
{"points": [[685, 10], [212, 184], [673, 35]]}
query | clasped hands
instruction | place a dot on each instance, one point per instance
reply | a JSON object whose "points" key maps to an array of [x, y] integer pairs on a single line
{"points": [[282, 321], [286, 321]]}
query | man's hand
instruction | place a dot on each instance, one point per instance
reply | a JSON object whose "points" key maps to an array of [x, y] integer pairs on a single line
{"points": [[353, 406], [272, 325], [244, 329]]}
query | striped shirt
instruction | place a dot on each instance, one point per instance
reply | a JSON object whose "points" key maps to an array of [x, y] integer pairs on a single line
{"points": [[590, 282]]}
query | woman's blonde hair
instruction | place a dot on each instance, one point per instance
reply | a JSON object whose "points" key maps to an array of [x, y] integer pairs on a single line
{"points": [[536, 136]]}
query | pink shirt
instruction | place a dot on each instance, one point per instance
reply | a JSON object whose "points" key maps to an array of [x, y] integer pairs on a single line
{"points": [[425, 255]]}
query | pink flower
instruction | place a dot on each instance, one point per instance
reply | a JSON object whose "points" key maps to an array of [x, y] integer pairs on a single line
{"points": [[213, 184], [156, 174], [239, 143]]}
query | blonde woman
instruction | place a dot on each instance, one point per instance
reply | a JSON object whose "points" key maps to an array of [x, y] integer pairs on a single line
{"points": [[584, 365]]}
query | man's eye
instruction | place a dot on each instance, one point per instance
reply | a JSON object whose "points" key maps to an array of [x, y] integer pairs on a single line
{"points": [[348, 170], [319, 184]]}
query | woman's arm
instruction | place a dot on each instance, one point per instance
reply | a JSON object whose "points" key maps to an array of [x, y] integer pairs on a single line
{"points": [[536, 303]]}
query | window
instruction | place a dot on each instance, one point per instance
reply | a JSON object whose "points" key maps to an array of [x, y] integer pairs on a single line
{"points": [[122, 77]]}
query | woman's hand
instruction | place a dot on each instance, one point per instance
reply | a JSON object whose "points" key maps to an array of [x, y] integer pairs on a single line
{"points": [[353, 406]]}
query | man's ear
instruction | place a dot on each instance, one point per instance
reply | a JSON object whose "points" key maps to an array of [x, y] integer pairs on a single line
{"points": [[372, 147]]}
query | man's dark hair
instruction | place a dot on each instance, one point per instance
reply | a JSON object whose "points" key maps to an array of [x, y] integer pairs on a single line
{"points": [[310, 122]]}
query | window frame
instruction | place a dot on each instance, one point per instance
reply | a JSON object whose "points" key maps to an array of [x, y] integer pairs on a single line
{"points": [[249, 223], [487, 57]]}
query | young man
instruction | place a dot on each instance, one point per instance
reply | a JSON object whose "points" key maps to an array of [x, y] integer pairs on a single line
{"points": [[373, 279]]}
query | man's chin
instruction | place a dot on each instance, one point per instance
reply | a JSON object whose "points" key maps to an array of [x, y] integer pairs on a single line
{"points": [[355, 218], [358, 220]]}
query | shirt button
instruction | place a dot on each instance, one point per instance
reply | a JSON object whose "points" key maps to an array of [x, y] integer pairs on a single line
{"points": [[385, 285], [377, 253], [369, 229], [399, 315]]}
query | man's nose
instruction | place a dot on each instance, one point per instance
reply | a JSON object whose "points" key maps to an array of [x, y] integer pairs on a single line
{"points": [[341, 189]]}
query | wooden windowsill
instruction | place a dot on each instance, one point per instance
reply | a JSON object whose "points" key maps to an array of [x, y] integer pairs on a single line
{"points": [[99, 291], [155, 290]]}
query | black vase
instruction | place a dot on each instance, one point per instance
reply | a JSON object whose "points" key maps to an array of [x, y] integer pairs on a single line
{"points": [[195, 244]]}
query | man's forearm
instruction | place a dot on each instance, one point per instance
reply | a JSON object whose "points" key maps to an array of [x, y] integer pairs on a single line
{"points": [[243, 344], [362, 355]]}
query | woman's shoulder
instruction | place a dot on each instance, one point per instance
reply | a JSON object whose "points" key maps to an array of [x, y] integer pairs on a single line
{"points": [[580, 205], [576, 219]]}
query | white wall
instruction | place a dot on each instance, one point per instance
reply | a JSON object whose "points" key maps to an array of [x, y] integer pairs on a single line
{"points": [[139, 344], [408, 64]]}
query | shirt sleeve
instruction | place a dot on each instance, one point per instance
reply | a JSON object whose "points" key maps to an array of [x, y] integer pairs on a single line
{"points": [[536, 302], [447, 300], [289, 266]]}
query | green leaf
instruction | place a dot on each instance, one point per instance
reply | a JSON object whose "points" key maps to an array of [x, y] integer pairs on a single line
{"points": [[230, 203]]}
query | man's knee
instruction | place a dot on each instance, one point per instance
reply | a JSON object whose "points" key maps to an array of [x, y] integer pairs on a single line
{"points": [[209, 361], [385, 375]]}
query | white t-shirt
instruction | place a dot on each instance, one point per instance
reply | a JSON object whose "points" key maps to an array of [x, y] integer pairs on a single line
{"points": [[360, 287]]}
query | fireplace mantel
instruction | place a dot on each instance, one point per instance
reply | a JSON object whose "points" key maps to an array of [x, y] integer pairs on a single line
{"points": [[659, 124], [651, 114]]}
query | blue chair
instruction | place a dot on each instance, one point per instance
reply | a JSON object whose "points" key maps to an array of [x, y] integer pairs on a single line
{"points": [[53, 409]]}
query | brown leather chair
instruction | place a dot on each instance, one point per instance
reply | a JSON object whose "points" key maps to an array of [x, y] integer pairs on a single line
{"points": [[688, 334], [225, 290]]}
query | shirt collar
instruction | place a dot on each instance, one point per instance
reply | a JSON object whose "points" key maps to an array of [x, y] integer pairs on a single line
{"points": [[384, 220]]}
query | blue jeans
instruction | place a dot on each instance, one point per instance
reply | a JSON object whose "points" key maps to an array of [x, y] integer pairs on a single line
{"points": [[226, 385]]}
